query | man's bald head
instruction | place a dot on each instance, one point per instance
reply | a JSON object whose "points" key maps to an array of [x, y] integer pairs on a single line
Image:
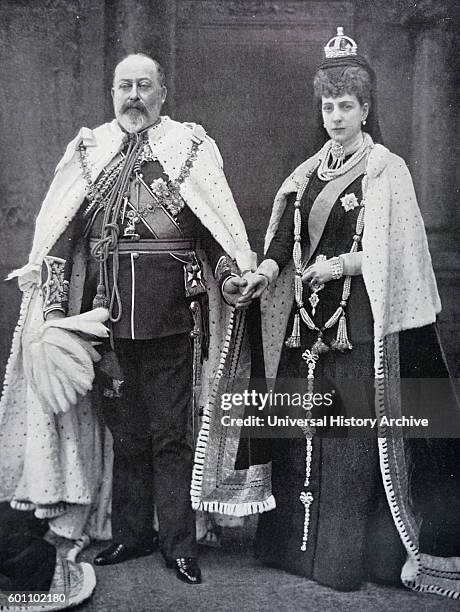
{"points": [[143, 59], [138, 92]]}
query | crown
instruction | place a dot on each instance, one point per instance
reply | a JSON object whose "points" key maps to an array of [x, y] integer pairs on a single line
{"points": [[340, 45]]}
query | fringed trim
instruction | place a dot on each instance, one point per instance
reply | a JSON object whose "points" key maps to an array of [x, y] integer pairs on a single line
{"points": [[50, 511], [406, 539], [294, 339], [243, 509], [447, 572], [392, 497], [240, 321], [341, 342], [380, 384], [432, 589], [203, 435], [233, 509], [25, 506], [228, 336]]}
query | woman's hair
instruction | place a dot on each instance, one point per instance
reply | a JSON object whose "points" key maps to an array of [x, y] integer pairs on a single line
{"points": [[336, 82], [347, 75]]}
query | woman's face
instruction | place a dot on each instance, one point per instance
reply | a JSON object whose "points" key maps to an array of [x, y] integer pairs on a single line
{"points": [[342, 117]]}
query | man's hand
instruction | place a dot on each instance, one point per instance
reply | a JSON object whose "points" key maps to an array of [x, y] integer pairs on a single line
{"points": [[318, 274], [256, 285], [232, 289]]}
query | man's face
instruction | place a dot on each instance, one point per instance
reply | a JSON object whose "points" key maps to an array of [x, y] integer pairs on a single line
{"points": [[137, 93]]}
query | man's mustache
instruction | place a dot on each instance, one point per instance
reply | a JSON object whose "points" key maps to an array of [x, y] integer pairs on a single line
{"points": [[140, 106]]}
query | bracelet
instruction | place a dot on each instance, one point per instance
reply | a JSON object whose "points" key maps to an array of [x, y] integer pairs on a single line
{"points": [[336, 264]]}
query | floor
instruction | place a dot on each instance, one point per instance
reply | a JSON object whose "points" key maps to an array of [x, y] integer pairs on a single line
{"points": [[233, 581]]}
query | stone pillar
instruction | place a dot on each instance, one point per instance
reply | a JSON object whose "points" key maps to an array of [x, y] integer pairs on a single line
{"points": [[434, 140], [435, 148]]}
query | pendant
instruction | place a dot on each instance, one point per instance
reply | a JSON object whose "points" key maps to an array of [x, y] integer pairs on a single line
{"points": [[130, 229], [133, 216], [319, 347], [314, 301], [338, 154], [310, 359], [315, 287]]}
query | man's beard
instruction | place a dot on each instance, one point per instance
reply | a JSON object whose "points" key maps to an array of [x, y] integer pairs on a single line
{"points": [[133, 118]]}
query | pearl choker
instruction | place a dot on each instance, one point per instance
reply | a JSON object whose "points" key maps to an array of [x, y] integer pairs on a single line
{"points": [[332, 163]]}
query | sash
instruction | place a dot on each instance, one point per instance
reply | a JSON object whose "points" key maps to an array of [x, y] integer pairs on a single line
{"points": [[325, 200], [151, 211]]}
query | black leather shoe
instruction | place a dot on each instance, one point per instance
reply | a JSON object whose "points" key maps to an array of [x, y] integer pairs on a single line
{"points": [[117, 553], [187, 569]]}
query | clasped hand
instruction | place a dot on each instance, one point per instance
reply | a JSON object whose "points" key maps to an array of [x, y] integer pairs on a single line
{"points": [[241, 291]]}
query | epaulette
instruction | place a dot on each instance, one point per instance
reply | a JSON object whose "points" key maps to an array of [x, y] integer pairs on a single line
{"points": [[198, 132], [87, 137]]}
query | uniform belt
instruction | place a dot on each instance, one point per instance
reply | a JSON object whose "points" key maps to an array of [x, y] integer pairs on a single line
{"points": [[160, 245]]}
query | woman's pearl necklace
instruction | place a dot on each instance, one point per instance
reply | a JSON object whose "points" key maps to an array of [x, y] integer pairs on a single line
{"points": [[332, 162]]}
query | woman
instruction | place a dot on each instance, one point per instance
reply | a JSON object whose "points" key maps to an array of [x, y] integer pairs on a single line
{"points": [[348, 270]]}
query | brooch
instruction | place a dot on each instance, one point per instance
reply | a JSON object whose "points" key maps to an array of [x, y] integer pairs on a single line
{"points": [[349, 201], [169, 195]]}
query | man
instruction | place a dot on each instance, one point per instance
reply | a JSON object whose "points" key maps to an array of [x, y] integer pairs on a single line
{"points": [[140, 220]]}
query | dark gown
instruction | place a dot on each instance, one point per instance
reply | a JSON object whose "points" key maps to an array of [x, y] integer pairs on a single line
{"points": [[351, 537]]}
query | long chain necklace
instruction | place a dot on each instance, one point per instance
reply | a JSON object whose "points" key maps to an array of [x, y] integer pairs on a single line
{"points": [[311, 356]]}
